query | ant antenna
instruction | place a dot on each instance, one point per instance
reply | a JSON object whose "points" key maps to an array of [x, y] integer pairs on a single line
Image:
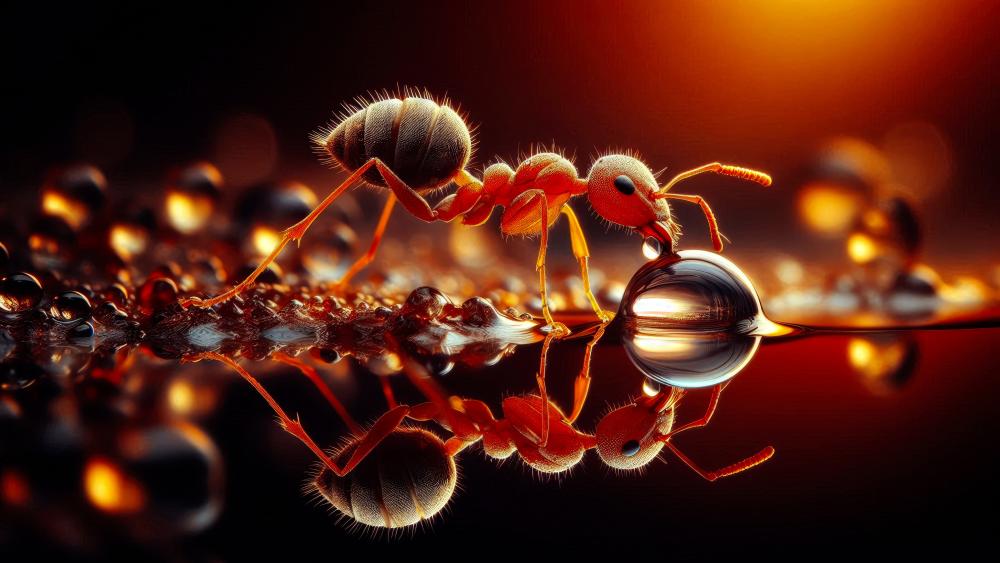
{"points": [[719, 168]]}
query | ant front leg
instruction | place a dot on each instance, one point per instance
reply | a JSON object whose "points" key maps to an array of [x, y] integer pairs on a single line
{"points": [[738, 467], [713, 225], [582, 253], [382, 427], [713, 403]]}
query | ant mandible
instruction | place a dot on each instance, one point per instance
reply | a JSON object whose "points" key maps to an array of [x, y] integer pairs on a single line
{"points": [[392, 475], [415, 145]]}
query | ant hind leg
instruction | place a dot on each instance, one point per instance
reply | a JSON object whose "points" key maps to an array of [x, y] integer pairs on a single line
{"points": [[382, 427]]}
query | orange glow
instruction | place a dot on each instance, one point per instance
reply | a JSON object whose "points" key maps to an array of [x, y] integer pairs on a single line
{"points": [[128, 241], [188, 213], [827, 208], [54, 203], [875, 361], [14, 488], [111, 490], [181, 397], [861, 248], [265, 240]]}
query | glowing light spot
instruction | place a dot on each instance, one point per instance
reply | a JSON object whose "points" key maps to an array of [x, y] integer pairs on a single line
{"points": [[666, 345], [650, 388], [860, 352], [861, 248], [789, 272], [110, 490], [828, 209], [659, 307], [181, 397], [265, 240], [75, 214], [14, 488], [188, 213], [128, 241]]}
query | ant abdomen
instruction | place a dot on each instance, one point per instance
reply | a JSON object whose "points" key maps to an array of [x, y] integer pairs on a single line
{"points": [[425, 143], [407, 478]]}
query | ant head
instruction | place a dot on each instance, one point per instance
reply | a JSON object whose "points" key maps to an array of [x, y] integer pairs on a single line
{"points": [[629, 437], [620, 188]]}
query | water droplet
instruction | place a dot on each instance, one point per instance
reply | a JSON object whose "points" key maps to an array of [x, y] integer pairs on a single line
{"points": [[327, 254], [692, 290], [425, 303], [70, 307], [691, 319], [689, 359], [18, 373], [327, 355], [19, 292], [157, 294], [51, 242], [651, 248], [81, 331]]}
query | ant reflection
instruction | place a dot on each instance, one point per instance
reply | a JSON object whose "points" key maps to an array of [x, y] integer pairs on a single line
{"points": [[394, 475]]}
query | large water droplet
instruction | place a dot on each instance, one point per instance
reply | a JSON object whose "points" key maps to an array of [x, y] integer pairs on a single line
{"points": [[693, 290], [692, 319]]}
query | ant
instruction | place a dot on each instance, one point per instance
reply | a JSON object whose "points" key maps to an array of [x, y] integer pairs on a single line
{"points": [[416, 145], [393, 476]]}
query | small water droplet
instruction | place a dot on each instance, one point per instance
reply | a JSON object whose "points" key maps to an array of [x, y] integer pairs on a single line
{"points": [[70, 307], [651, 248], [19, 292]]}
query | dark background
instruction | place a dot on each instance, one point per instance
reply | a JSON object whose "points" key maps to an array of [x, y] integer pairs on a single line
{"points": [[138, 90]]}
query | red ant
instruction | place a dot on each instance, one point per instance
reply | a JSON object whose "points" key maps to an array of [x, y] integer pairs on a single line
{"points": [[414, 145], [395, 476]]}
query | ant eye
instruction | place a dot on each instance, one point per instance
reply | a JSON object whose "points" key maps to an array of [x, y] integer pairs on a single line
{"points": [[625, 185], [630, 448]]}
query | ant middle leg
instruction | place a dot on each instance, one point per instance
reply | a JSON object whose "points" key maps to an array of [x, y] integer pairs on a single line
{"points": [[582, 253], [367, 257], [324, 389]]}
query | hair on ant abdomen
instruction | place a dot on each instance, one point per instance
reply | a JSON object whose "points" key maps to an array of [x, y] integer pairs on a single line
{"points": [[424, 142]]}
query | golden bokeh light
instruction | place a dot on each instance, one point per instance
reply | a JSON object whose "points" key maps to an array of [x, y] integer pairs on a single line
{"points": [[265, 240], [75, 214], [828, 209], [109, 489], [188, 213], [128, 241], [861, 248]]}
